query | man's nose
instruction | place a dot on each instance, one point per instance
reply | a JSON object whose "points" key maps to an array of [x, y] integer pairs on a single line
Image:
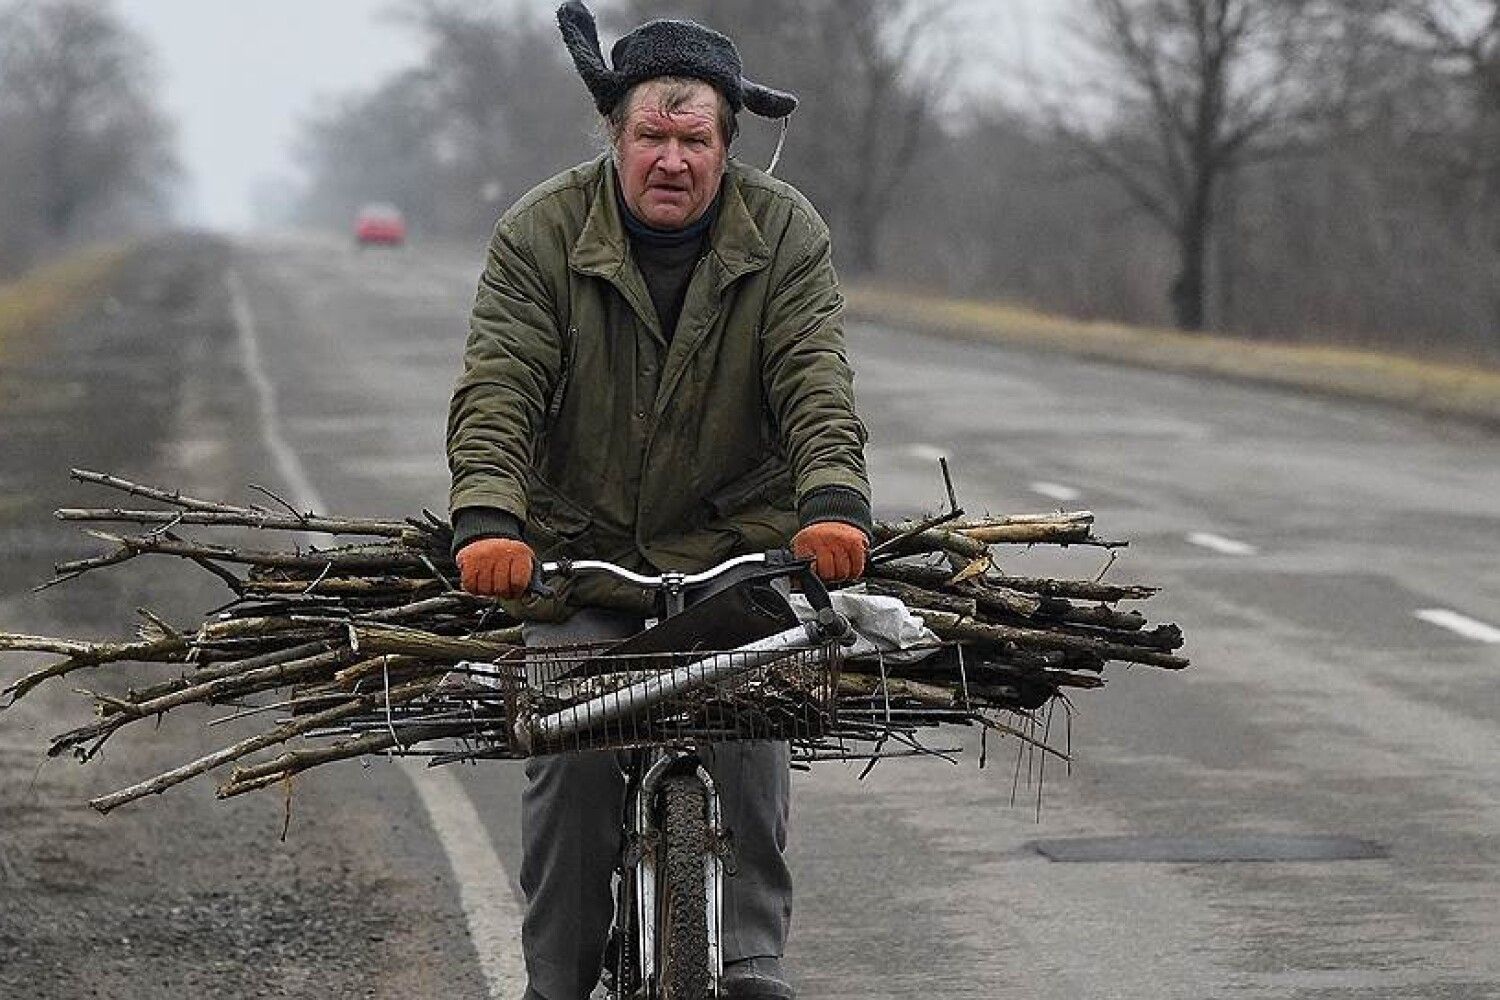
{"points": [[672, 161]]}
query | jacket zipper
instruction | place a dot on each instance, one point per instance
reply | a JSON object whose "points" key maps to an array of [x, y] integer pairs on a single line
{"points": [[561, 388]]}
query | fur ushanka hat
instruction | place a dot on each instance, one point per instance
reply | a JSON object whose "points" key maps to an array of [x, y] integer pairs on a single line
{"points": [[663, 48]]}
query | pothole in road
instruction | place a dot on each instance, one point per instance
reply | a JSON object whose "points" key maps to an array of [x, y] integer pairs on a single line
{"points": [[1209, 849]]}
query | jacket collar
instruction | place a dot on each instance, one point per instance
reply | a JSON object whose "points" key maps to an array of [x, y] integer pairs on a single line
{"points": [[602, 248]]}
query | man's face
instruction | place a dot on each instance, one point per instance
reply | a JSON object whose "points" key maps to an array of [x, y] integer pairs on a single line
{"points": [[671, 161]]}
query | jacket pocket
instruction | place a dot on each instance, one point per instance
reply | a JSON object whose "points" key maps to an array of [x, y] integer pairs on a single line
{"points": [[553, 517], [769, 484]]}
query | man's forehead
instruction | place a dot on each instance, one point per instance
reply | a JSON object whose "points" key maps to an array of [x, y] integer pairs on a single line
{"points": [[656, 99], [688, 119]]}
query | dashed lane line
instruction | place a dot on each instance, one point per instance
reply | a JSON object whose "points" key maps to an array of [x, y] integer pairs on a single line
{"points": [[1469, 628], [1056, 491], [490, 908], [925, 452], [1220, 544]]}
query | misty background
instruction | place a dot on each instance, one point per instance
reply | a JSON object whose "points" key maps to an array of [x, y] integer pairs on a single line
{"points": [[1305, 170]]}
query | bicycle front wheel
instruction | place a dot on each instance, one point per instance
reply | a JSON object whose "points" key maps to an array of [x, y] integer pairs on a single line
{"points": [[682, 888]]}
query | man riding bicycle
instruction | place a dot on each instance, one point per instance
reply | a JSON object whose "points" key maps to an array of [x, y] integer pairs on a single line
{"points": [[655, 375]]}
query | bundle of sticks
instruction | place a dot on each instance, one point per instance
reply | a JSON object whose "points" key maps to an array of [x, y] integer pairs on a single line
{"points": [[371, 647]]}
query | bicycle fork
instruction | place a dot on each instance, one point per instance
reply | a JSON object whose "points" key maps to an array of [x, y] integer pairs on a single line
{"points": [[643, 864]]}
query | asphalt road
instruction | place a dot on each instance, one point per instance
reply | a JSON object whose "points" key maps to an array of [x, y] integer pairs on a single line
{"points": [[1297, 541]]}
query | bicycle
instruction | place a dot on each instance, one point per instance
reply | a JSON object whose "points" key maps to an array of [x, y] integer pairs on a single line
{"points": [[665, 942]]}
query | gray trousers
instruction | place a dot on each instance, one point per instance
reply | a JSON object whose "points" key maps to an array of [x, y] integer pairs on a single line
{"points": [[570, 839]]}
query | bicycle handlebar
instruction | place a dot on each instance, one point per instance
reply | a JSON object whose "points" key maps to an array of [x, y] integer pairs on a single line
{"points": [[672, 584], [571, 567]]}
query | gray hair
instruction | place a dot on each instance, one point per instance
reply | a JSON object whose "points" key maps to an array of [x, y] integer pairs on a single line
{"points": [[678, 90]]}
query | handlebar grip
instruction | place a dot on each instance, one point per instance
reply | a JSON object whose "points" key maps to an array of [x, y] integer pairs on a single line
{"points": [[812, 585], [538, 586]]}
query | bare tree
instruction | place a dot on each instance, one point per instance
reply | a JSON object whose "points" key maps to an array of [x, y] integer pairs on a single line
{"points": [[1465, 35], [1001, 213], [1449, 130], [1461, 41], [884, 93], [1195, 89], [506, 96], [78, 109]]}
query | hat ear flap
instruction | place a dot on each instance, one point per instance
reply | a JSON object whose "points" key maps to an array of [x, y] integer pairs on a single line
{"points": [[767, 102], [581, 36]]}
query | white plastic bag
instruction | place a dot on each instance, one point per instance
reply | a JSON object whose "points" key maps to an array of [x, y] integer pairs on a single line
{"points": [[881, 625]]}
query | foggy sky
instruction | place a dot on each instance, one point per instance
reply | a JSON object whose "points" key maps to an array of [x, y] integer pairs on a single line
{"points": [[238, 77]]}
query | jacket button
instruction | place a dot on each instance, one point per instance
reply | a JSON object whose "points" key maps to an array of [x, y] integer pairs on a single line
{"points": [[640, 414]]}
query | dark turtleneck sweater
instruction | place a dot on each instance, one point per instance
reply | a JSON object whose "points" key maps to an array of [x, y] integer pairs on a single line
{"points": [[666, 258]]}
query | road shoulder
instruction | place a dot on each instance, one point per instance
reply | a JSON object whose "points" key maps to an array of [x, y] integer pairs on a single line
{"points": [[181, 895], [1435, 389]]}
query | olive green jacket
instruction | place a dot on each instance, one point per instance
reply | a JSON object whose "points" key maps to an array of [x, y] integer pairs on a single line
{"points": [[609, 440]]}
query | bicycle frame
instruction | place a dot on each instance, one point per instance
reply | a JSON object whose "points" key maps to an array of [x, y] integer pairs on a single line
{"points": [[638, 920]]}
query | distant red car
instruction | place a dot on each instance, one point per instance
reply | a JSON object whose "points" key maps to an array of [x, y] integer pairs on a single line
{"points": [[381, 225]]}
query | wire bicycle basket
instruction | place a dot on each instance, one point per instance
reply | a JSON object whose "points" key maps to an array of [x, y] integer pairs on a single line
{"points": [[665, 699], [565, 698]]}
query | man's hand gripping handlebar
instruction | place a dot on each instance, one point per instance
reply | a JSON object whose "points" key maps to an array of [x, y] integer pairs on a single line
{"points": [[507, 568], [496, 567]]}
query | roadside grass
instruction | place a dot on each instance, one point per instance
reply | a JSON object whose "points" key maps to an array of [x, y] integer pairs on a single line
{"points": [[1437, 388], [48, 294]]}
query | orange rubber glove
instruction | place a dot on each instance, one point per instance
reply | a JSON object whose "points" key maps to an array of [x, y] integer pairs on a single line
{"points": [[496, 567], [838, 548]]}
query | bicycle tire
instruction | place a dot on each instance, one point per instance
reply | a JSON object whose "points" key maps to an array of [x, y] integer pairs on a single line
{"points": [[683, 972]]}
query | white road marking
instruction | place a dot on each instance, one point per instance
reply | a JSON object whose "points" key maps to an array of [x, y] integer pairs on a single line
{"points": [[1056, 491], [1469, 628], [489, 906], [287, 462], [1218, 543], [493, 914], [925, 452]]}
